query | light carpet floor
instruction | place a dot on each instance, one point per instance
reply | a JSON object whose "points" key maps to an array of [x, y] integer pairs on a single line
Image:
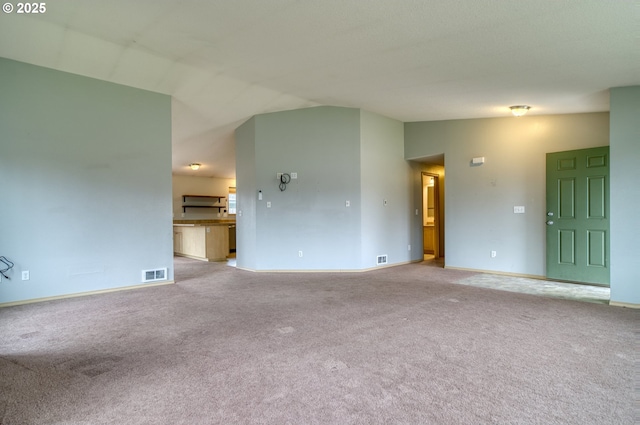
{"points": [[403, 345]]}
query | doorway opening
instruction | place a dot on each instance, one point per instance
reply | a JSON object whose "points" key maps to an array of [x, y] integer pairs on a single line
{"points": [[430, 196], [431, 215]]}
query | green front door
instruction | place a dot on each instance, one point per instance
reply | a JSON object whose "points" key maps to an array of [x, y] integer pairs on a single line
{"points": [[578, 215]]}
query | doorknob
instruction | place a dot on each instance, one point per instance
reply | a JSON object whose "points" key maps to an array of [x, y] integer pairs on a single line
{"points": [[549, 223]]}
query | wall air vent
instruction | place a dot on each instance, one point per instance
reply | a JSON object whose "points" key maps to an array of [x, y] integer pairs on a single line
{"points": [[154, 275], [382, 259]]}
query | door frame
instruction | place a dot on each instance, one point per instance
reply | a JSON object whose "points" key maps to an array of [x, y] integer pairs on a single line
{"points": [[436, 210]]}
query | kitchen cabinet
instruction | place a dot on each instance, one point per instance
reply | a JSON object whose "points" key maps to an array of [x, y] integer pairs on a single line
{"points": [[429, 239], [208, 242]]}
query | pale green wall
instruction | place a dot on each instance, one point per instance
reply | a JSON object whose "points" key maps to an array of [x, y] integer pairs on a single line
{"points": [[85, 167], [247, 195], [340, 154], [625, 194], [385, 175], [480, 199], [322, 146]]}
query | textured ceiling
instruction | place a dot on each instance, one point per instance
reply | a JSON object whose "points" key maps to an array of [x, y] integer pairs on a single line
{"points": [[413, 60]]}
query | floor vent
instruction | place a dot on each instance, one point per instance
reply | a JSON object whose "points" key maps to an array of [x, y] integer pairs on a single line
{"points": [[154, 275], [382, 259]]}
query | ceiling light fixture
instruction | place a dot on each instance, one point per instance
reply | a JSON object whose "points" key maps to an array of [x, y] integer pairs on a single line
{"points": [[519, 110], [194, 166]]}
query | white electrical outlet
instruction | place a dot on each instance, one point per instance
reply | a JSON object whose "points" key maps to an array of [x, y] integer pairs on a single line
{"points": [[300, 254], [268, 204], [278, 176], [294, 176], [347, 203], [25, 275], [518, 210], [493, 254]]}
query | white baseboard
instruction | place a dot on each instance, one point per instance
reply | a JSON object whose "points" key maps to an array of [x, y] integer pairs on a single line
{"points": [[528, 276], [331, 270], [84, 294], [626, 305]]}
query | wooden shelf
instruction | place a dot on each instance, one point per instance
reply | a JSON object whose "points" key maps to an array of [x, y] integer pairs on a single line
{"points": [[184, 207], [217, 198]]}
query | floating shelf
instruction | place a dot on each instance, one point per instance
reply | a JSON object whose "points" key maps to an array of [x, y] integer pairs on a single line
{"points": [[217, 198]]}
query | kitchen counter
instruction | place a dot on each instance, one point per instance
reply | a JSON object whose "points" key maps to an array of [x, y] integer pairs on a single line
{"points": [[205, 240], [204, 222]]}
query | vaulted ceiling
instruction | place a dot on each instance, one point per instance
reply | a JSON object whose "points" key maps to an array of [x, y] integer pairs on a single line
{"points": [[223, 61]]}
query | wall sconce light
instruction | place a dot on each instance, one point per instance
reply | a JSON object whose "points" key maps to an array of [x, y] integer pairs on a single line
{"points": [[519, 110], [195, 166]]}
